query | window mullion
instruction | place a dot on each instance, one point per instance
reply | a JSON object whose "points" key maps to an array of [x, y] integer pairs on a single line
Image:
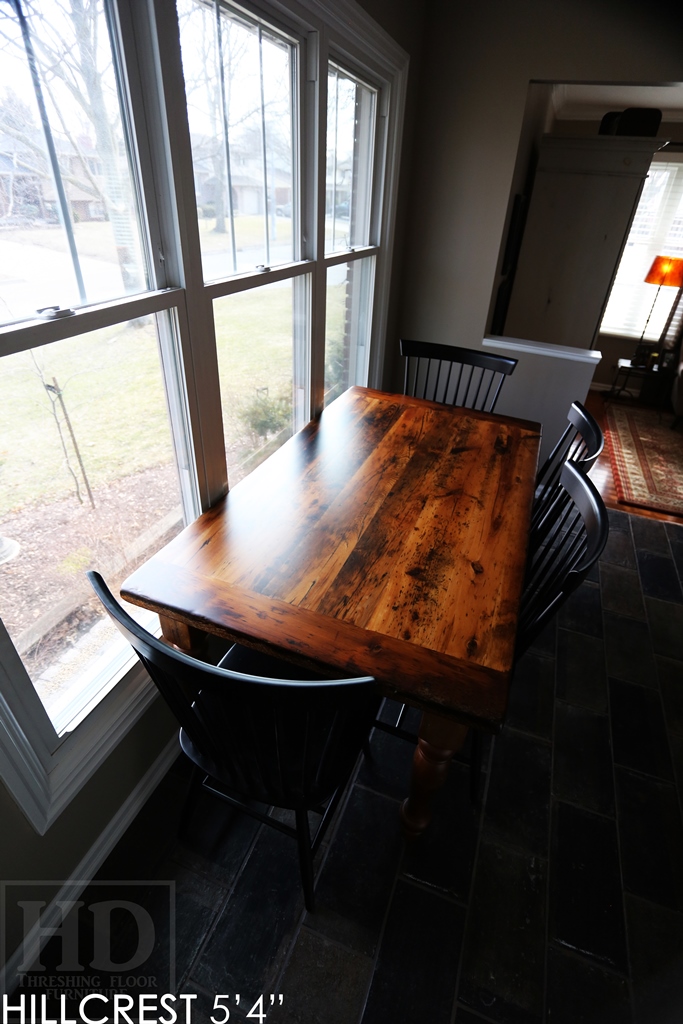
{"points": [[316, 134], [182, 254]]}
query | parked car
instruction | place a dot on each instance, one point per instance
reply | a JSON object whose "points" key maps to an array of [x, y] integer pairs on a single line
{"points": [[284, 210]]}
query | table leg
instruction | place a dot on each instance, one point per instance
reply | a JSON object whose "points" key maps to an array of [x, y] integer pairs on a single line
{"points": [[185, 638], [439, 739]]}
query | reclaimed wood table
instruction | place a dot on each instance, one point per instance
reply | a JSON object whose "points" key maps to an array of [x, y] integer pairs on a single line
{"points": [[387, 538]]}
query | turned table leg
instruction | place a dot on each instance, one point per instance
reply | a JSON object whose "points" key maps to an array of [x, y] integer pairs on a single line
{"points": [[186, 638], [439, 739]]}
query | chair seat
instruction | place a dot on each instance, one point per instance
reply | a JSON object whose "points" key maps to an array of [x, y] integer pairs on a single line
{"points": [[255, 663], [263, 731]]}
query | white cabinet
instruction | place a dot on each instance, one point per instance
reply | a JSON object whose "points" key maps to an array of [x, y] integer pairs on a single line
{"points": [[546, 380], [584, 197]]}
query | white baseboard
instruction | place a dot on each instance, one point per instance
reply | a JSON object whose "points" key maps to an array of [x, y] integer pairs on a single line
{"points": [[88, 866]]}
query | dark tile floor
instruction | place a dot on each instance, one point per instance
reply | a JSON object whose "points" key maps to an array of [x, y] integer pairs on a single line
{"points": [[559, 898]]}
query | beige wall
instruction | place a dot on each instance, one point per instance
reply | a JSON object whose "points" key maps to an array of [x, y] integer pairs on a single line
{"points": [[404, 20], [478, 62], [25, 855]]}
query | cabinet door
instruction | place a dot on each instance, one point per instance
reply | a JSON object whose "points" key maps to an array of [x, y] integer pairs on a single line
{"points": [[584, 198]]}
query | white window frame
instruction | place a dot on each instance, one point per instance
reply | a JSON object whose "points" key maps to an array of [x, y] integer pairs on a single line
{"points": [[632, 324], [41, 770]]}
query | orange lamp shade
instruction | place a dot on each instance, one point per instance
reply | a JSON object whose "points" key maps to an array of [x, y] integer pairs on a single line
{"points": [[666, 270]]}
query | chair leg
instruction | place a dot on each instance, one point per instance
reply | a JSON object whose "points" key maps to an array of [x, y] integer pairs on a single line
{"points": [[303, 838]]}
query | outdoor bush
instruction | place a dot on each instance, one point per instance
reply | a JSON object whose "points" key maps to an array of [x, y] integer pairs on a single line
{"points": [[264, 415]]}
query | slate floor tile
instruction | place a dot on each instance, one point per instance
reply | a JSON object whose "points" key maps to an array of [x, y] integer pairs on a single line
{"points": [[355, 884], [582, 768], [503, 954], [581, 676], [676, 747], [152, 835], [532, 695], [621, 591], [586, 912], [656, 947], [464, 1016], [675, 534], [215, 839], [619, 549], [593, 574], [666, 627], [638, 730], [442, 858], [670, 674], [323, 981], [546, 641], [245, 951], [651, 838], [659, 577], [628, 650], [518, 801], [416, 970], [649, 534], [387, 770], [197, 902], [583, 993], [582, 611], [619, 522]]}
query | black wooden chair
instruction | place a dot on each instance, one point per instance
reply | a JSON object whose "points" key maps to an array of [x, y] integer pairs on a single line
{"points": [[581, 443], [261, 730], [464, 377], [566, 540]]}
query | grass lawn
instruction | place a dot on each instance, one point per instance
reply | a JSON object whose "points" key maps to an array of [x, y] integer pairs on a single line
{"points": [[113, 392], [112, 387], [249, 233]]}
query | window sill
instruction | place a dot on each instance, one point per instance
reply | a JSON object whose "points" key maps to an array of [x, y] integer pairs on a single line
{"points": [[42, 786]]}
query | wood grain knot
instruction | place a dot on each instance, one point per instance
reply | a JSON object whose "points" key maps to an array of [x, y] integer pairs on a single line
{"points": [[417, 573], [477, 567], [472, 645], [502, 445]]}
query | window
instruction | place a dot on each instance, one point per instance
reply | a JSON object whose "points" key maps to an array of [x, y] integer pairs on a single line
{"points": [[657, 230], [200, 238], [89, 474]]}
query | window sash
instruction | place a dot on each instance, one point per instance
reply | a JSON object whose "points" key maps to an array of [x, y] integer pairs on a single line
{"points": [[635, 309], [42, 770]]}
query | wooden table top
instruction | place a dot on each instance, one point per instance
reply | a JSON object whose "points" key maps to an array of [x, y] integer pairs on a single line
{"points": [[386, 538]]}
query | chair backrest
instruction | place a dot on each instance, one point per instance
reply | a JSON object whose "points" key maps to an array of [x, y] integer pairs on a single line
{"points": [[581, 443], [280, 741], [563, 547], [464, 377]]}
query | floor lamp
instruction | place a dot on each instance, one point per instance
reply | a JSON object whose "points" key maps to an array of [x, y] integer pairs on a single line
{"points": [[665, 270]]}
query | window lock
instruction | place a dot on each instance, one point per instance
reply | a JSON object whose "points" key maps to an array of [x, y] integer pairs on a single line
{"points": [[54, 312]]}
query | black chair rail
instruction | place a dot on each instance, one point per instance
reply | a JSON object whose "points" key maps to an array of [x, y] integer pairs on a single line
{"points": [[463, 377], [566, 540], [289, 740], [581, 443]]}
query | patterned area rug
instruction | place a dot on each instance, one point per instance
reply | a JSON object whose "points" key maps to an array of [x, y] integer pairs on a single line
{"points": [[646, 456]]}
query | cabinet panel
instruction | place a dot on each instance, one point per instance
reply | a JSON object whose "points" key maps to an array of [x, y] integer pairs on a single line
{"points": [[584, 198]]}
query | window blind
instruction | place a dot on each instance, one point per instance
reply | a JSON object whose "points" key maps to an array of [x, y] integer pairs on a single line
{"points": [[657, 230]]}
